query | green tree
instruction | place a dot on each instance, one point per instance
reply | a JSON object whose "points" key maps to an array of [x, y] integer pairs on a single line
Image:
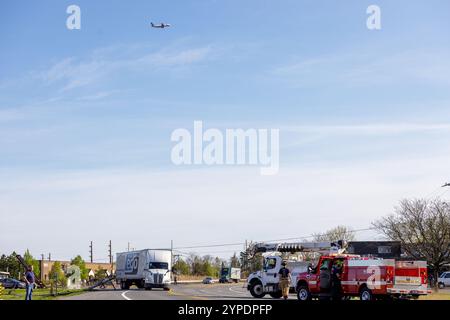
{"points": [[195, 264], [208, 267], [57, 275], [30, 261], [11, 264], [100, 274], [80, 263], [181, 267], [234, 261]]}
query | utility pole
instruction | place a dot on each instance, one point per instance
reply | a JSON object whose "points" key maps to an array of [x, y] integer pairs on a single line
{"points": [[42, 257], [110, 255], [244, 260], [91, 253], [171, 261], [49, 257], [171, 253]]}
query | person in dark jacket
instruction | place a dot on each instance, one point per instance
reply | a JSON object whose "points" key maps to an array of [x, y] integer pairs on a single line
{"points": [[285, 279], [29, 280], [336, 285]]}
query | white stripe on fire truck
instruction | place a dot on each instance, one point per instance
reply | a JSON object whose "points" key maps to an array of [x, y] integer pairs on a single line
{"points": [[372, 283]]}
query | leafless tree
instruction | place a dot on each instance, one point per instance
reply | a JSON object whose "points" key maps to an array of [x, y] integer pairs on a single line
{"points": [[423, 228], [337, 233]]}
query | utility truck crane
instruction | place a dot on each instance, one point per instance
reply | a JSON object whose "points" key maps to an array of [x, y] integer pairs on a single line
{"points": [[267, 280]]}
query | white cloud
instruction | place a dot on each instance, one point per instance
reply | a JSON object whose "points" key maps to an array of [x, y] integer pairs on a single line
{"points": [[151, 208]]}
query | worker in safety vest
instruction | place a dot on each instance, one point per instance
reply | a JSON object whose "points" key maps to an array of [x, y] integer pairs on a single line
{"points": [[285, 279]]}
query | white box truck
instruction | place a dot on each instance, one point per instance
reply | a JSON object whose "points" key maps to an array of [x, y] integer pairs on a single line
{"points": [[228, 274], [146, 269]]}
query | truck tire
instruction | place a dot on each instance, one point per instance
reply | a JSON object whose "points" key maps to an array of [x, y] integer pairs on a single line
{"points": [[257, 290], [303, 293], [441, 285], [140, 284], [124, 285], [365, 294], [276, 295]]}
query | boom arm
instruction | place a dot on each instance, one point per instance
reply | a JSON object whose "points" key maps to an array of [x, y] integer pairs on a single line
{"points": [[320, 247]]}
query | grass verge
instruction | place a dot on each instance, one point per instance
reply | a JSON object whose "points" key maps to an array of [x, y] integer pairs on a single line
{"points": [[38, 294]]}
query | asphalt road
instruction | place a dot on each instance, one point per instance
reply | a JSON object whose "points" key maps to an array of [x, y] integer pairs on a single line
{"points": [[178, 292]]}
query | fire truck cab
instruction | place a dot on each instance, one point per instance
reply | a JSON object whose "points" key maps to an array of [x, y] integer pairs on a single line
{"points": [[367, 278]]}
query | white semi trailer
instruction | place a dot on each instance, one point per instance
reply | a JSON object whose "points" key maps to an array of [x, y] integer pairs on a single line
{"points": [[149, 268]]}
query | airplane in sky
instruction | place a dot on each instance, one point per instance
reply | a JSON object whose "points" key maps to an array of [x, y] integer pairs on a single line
{"points": [[161, 25]]}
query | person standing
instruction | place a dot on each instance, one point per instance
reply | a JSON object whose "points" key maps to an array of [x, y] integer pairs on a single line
{"points": [[285, 279], [30, 280], [336, 285]]}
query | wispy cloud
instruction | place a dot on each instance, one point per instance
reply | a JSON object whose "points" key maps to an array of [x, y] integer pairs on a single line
{"points": [[362, 69], [370, 129], [74, 73]]}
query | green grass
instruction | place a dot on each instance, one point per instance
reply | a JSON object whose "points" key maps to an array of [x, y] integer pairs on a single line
{"points": [[437, 296], [38, 294]]}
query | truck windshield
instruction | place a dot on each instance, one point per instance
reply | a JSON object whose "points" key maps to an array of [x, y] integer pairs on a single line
{"points": [[158, 265]]}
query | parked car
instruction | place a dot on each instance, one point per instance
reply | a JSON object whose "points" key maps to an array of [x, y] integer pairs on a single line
{"points": [[208, 280], [444, 280], [9, 283]]}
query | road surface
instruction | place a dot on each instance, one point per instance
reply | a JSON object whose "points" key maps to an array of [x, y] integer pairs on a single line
{"points": [[178, 292]]}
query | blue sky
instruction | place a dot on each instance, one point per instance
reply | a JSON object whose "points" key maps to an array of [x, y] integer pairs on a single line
{"points": [[86, 117]]}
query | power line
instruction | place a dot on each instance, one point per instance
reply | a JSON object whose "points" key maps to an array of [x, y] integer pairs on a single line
{"points": [[272, 240]]}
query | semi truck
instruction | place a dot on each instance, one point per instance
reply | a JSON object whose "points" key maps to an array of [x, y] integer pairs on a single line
{"points": [[146, 269], [228, 274]]}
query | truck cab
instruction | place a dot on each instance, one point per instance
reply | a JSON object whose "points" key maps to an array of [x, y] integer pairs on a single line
{"points": [[266, 281], [316, 282], [157, 275]]}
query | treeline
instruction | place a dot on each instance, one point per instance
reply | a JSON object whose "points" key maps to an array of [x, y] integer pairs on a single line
{"points": [[195, 265], [9, 263]]}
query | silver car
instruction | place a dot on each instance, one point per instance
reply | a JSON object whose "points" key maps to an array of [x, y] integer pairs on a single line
{"points": [[444, 280], [208, 280]]}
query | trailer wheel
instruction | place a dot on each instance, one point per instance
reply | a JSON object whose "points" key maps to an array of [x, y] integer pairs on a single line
{"points": [[303, 293], [257, 290], [365, 294], [276, 295]]}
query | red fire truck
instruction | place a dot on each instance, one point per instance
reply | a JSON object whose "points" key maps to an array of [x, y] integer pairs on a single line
{"points": [[367, 278]]}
